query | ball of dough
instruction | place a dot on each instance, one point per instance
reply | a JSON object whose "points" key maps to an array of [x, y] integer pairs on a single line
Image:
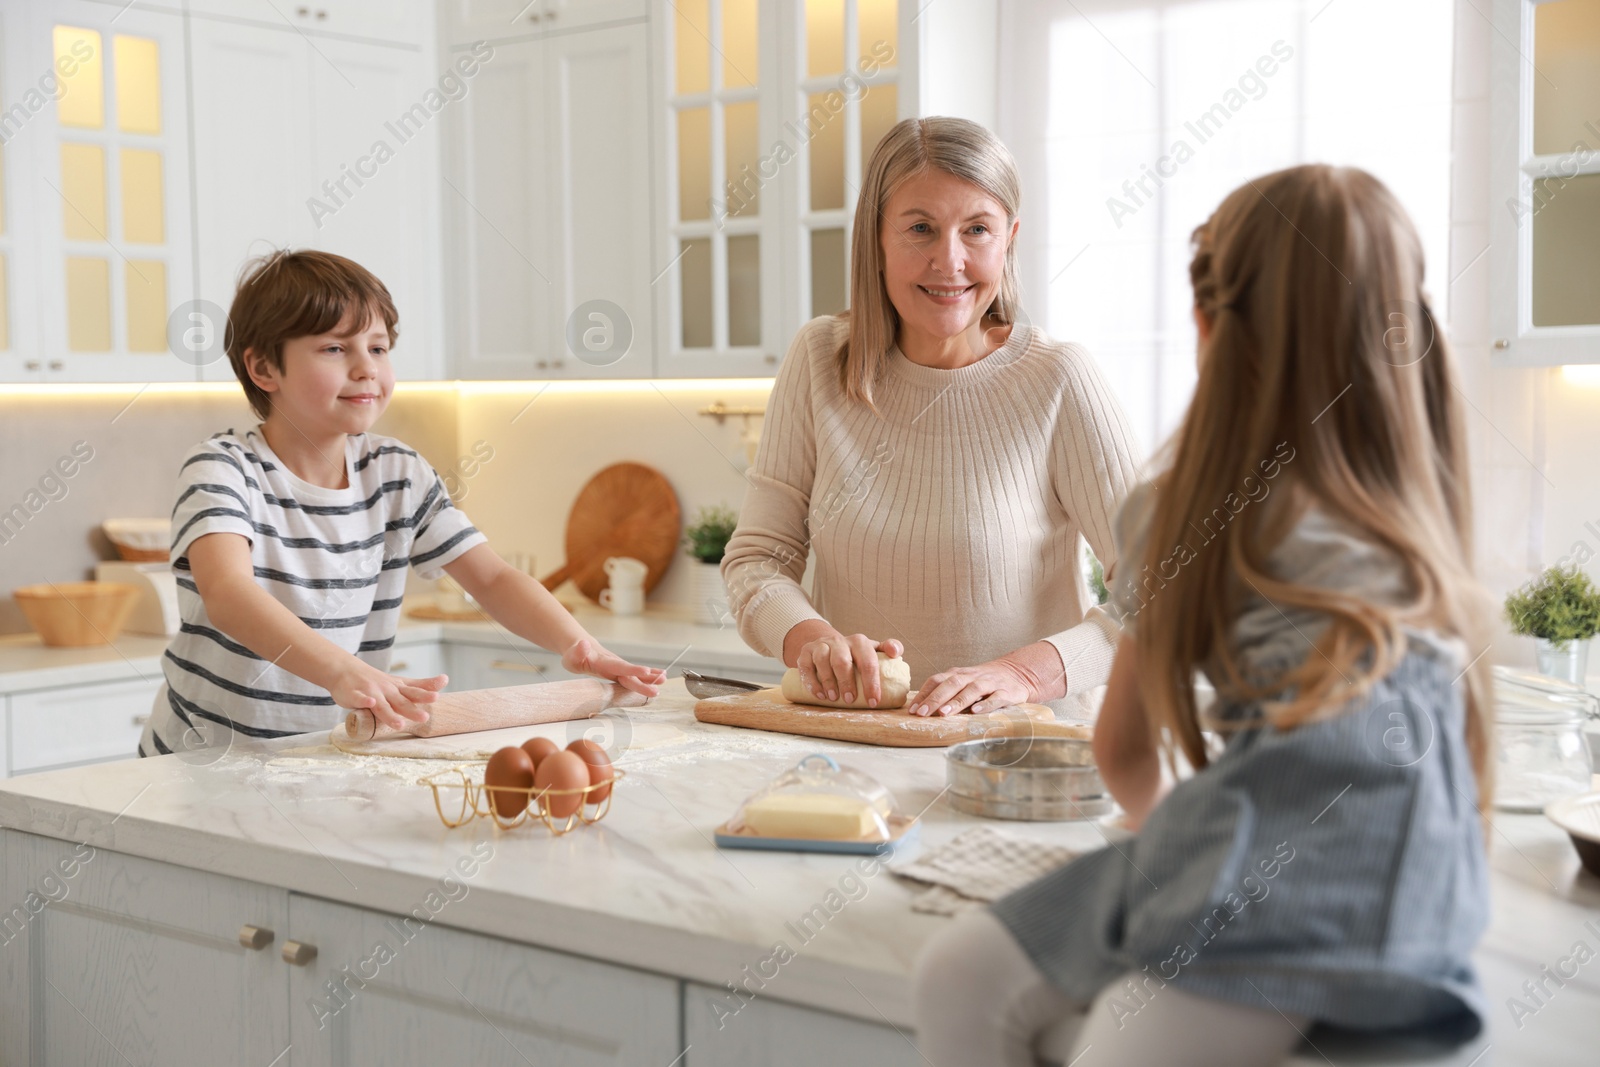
{"points": [[895, 681]]}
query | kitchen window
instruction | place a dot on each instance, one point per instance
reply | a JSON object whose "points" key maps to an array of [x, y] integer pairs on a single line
{"points": [[1131, 122], [1545, 184]]}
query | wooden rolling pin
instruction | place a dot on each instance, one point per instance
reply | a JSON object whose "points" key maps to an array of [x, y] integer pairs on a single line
{"points": [[494, 709]]}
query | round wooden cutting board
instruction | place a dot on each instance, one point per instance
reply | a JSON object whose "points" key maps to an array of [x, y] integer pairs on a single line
{"points": [[628, 509]]}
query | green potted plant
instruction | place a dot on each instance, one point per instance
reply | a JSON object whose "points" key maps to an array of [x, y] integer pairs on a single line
{"points": [[706, 539], [1561, 609]]}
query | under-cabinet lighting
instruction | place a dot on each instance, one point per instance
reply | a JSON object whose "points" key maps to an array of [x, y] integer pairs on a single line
{"points": [[1581, 373]]}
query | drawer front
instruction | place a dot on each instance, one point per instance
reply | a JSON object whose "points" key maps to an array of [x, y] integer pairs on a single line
{"points": [[83, 724], [422, 660], [481, 667]]}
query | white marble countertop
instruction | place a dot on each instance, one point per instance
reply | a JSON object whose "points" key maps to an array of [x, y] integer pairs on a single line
{"points": [[662, 633], [647, 888]]}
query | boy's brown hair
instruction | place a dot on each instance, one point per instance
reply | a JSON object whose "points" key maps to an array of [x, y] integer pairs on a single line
{"points": [[288, 294]]}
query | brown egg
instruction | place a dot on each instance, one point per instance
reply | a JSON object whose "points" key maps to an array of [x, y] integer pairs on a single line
{"points": [[538, 748], [564, 770], [599, 767], [512, 769]]}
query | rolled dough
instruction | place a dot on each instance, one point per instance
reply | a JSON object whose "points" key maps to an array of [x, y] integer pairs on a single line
{"points": [[896, 675], [485, 743]]}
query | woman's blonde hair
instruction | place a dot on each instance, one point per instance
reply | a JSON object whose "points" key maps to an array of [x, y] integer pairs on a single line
{"points": [[959, 148], [1322, 342]]}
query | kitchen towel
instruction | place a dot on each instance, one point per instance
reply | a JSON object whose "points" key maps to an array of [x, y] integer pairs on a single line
{"points": [[982, 865]]}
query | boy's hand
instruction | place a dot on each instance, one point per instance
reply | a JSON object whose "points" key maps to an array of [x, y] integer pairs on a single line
{"points": [[588, 657], [393, 700]]}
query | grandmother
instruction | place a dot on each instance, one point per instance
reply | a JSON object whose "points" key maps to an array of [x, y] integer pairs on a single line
{"points": [[938, 456]]}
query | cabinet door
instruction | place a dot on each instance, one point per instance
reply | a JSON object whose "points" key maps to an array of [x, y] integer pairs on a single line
{"points": [[385, 989], [600, 167], [374, 196], [133, 961], [424, 659], [379, 20], [767, 1033], [82, 724], [498, 209], [110, 162], [252, 102], [475, 20]]}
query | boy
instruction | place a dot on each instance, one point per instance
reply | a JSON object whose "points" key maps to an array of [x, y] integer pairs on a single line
{"points": [[291, 540]]}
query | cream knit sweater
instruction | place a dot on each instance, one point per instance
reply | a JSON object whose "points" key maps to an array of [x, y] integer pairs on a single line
{"points": [[950, 519]]}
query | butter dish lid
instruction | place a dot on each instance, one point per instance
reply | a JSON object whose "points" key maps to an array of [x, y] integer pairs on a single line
{"points": [[821, 800]]}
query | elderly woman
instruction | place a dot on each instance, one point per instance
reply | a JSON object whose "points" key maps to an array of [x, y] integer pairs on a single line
{"points": [[940, 458]]}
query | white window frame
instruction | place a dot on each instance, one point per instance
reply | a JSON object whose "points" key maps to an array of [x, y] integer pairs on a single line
{"points": [[1514, 168]]}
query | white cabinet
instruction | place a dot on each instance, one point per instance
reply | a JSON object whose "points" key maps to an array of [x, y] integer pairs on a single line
{"points": [[331, 144], [475, 20], [417, 659], [80, 724], [722, 1031], [97, 246], [493, 666], [386, 990], [548, 178], [112, 959], [1544, 183], [402, 21]]}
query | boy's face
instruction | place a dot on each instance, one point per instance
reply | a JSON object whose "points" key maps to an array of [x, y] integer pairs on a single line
{"points": [[339, 381]]}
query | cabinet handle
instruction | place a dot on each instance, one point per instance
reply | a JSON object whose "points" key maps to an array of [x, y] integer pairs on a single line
{"points": [[302, 11], [770, 358], [399, 665], [140, 720], [298, 953], [513, 665], [32, 364], [542, 364], [322, 15], [1501, 343], [56, 364], [255, 937]]}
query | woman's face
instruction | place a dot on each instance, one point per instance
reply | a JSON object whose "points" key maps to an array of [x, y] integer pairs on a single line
{"points": [[944, 252]]}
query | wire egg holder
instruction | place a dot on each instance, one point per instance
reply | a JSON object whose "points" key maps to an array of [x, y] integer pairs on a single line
{"points": [[476, 802]]}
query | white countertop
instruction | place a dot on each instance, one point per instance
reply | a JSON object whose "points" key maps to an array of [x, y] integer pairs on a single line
{"points": [[662, 633], [647, 888]]}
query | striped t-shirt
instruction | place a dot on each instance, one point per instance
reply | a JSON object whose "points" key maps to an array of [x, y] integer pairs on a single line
{"points": [[337, 558]]}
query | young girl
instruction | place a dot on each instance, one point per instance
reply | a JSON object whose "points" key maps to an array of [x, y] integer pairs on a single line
{"points": [[1307, 546]]}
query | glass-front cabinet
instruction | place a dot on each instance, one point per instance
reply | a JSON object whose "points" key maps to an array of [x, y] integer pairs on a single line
{"points": [[1545, 151], [106, 152], [771, 109]]}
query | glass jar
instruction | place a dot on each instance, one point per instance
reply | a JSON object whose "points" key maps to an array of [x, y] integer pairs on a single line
{"points": [[1543, 754]]}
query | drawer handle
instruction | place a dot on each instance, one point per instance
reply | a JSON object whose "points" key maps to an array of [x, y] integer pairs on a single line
{"points": [[298, 953], [140, 720], [255, 937], [513, 665], [400, 666]]}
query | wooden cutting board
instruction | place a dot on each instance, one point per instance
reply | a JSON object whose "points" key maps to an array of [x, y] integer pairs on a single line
{"points": [[628, 509], [766, 709]]}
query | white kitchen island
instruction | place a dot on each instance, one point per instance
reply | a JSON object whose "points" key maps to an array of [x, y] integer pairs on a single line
{"points": [[134, 891]]}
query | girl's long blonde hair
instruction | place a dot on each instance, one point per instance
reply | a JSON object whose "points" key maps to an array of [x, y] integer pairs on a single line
{"points": [[960, 148], [1322, 342]]}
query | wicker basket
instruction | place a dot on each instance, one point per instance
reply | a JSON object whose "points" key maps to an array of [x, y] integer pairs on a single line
{"points": [[75, 614], [139, 540]]}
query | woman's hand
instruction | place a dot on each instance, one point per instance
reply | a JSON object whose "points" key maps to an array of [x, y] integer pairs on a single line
{"points": [[1031, 673], [828, 660], [588, 657], [393, 700]]}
